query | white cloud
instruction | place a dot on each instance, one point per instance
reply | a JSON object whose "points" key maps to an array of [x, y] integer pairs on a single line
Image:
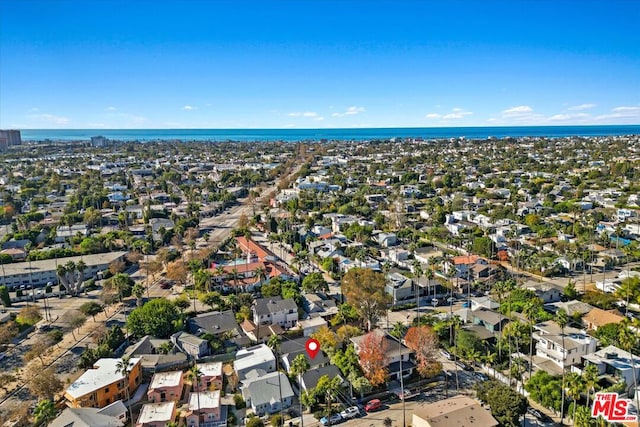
{"points": [[455, 114], [50, 119], [303, 114], [626, 110], [517, 111], [624, 113], [35, 109], [318, 119], [95, 125], [351, 111], [110, 109], [582, 107], [565, 117], [188, 108]]}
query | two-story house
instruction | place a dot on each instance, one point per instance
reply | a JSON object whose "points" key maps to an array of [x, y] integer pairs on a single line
{"points": [[564, 348], [616, 363], [400, 287], [205, 410], [211, 376], [252, 358], [262, 393], [104, 384], [289, 349], [190, 344], [396, 353], [157, 414], [275, 311], [166, 386]]}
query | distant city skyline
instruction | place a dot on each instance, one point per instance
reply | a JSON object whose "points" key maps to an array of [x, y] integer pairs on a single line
{"points": [[317, 64]]}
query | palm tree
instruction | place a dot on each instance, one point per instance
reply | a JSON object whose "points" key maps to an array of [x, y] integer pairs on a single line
{"points": [[590, 378], [44, 412], [274, 344], [417, 270], [194, 375], [575, 385], [628, 339], [530, 311], [299, 366], [138, 292], [123, 368], [562, 319]]}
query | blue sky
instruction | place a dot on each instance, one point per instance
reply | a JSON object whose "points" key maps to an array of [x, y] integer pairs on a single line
{"points": [[316, 64]]}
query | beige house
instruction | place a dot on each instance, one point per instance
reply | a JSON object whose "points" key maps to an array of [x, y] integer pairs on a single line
{"points": [[458, 411]]}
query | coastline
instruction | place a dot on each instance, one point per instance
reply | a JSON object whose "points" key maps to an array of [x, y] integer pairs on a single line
{"points": [[348, 134]]}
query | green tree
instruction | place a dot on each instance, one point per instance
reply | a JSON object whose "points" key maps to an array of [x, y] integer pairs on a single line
{"points": [[365, 291], [212, 299], [44, 412], [91, 308], [507, 405], [546, 390], [314, 282], [255, 422], [157, 318], [4, 296], [138, 292]]}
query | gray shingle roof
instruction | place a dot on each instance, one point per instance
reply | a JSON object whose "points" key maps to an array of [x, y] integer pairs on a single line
{"points": [[271, 305]]}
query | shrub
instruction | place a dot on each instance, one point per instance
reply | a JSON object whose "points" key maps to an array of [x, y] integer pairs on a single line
{"points": [[276, 420], [56, 336], [239, 401], [255, 422]]}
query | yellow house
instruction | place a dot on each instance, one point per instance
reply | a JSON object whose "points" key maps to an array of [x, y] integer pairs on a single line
{"points": [[103, 385]]}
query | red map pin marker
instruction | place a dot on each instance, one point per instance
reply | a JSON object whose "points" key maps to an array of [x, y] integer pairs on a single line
{"points": [[313, 347]]}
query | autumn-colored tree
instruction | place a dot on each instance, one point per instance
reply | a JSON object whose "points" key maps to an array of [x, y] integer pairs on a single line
{"points": [[373, 358], [364, 290], [177, 271], [424, 342], [327, 339], [346, 332]]}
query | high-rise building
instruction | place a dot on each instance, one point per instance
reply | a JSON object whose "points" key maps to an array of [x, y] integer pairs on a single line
{"points": [[98, 141], [9, 137]]}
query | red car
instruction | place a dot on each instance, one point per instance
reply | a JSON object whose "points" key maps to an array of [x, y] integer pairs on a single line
{"points": [[373, 405]]}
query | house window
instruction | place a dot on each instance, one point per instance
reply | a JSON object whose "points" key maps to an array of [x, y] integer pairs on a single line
{"points": [[106, 390]]}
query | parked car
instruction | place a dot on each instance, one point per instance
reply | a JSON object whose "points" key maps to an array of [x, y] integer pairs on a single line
{"points": [[331, 420], [463, 366], [446, 354], [539, 415], [373, 405], [350, 412]]}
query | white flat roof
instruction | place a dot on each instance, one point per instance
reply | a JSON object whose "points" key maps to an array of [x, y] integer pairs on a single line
{"points": [[50, 264], [166, 379], [94, 379], [253, 356], [156, 412], [208, 400], [213, 369]]}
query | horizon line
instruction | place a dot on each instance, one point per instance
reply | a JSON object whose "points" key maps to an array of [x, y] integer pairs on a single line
{"points": [[325, 128]]}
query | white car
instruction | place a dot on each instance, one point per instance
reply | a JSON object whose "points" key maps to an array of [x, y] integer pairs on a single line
{"points": [[350, 412]]}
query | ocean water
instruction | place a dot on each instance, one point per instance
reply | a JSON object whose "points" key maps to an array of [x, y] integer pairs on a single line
{"points": [[360, 134]]}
